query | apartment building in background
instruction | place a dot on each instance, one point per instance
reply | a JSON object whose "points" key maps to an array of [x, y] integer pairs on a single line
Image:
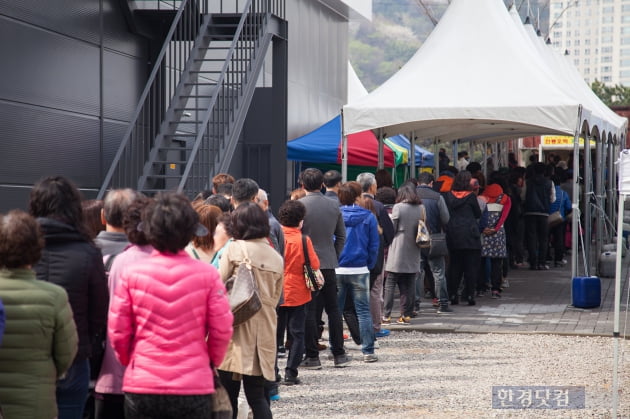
{"points": [[595, 34]]}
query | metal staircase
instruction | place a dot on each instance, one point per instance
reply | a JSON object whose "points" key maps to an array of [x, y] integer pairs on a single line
{"points": [[191, 112]]}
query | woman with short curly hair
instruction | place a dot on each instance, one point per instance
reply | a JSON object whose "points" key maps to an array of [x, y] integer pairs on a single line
{"points": [[40, 339]]}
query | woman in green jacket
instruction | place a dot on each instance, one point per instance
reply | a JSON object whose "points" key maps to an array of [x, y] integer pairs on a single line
{"points": [[40, 338]]}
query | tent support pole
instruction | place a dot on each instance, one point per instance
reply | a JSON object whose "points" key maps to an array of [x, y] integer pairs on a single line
{"points": [[412, 154], [600, 211], [576, 196], [381, 150], [344, 152], [436, 158], [611, 180], [588, 192]]}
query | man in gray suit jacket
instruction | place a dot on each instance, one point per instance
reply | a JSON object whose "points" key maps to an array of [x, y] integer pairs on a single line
{"points": [[323, 223]]}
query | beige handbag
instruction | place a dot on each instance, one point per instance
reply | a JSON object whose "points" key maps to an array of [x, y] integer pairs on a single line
{"points": [[243, 291]]}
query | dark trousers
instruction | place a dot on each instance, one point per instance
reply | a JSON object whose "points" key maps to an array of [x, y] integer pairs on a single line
{"points": [[327, 298], [72, 390], [464, 263], [164, 406], [109, 406], [496, 272], [557, 241], [295, 319], [254, 387], [537, 233], [406, 286]]}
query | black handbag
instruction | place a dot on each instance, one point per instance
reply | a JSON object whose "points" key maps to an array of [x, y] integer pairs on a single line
{"points": [[242, 290], [313, 277]]}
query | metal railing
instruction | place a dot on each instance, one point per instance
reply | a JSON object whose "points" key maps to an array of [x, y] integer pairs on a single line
{"points": [[150, 120], [214, 146]]}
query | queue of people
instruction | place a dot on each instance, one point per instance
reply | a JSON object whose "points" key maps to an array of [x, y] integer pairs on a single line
{"points": [[129, 300]]}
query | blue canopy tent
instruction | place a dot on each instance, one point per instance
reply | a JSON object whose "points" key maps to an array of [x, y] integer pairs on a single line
{"points": [[424, 158]]}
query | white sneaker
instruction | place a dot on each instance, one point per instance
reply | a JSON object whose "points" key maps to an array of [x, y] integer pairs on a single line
{"points": [[370, 358], [505, 283]]}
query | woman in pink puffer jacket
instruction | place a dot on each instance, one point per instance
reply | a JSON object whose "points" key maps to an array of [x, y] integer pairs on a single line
{"points": [[170, 320]]}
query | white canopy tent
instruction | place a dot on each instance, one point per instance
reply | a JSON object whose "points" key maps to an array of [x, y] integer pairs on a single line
{"points": [[480, 76], [474, 77]]}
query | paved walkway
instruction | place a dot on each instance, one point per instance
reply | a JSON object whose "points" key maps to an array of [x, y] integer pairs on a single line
{"points": [[535, 302]]}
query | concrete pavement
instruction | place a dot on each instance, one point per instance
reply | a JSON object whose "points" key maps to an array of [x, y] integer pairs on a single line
{"points": [[535, 302]]}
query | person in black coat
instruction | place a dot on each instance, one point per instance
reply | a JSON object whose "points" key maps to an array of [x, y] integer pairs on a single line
{"points": [[463, 237], [70, 260]]}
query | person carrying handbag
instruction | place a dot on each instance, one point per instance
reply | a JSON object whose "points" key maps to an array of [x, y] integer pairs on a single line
{"points": [[296, 293]]}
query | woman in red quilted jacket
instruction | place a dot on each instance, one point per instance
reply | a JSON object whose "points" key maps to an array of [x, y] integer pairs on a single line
{"points": [[170, 320]]}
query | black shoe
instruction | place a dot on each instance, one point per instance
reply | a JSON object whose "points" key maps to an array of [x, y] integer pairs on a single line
{"points": [[454, 300], [471, 301], [289, 381]]}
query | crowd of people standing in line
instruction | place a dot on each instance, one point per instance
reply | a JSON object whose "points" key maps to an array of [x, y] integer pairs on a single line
{"points": [[129, 292]]}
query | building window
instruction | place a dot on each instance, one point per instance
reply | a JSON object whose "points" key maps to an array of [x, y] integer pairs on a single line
{"points": [[607, 59], [587, 51], [577, 42], [625, 63], [607, 39], [568, 44], [625, 8], [608, 10], [624, 74], [607, 29], [606, 78], [606, 50], [606, 69], [587, 61], [607, 19], [587, 41], [557, 35], [576, 62], [625, 52], [576, 52]]}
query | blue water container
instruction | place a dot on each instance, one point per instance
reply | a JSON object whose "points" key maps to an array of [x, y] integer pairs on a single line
{"points": [[587, 291]]}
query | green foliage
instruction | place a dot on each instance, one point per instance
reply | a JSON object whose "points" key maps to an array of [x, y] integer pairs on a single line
{"points": [[617, 95], [378, 49]]}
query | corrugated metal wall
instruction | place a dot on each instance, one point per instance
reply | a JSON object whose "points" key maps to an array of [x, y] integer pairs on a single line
{"points": [[57, 58], [318, 56]]}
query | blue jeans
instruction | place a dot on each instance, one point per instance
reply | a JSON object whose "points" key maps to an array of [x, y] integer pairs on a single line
{"points": [[359, 287], [437, 266], [72, 390]]}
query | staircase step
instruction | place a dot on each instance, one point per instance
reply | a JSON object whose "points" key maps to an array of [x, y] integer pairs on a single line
{"points": [[221, 59], [164, 176], [178, 162], [193, 96], [181, 135]]}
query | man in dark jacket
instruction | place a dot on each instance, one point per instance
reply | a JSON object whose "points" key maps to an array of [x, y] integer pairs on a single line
{"points": [[369, 186], [437, 218], [324, 224], [539, 194]]}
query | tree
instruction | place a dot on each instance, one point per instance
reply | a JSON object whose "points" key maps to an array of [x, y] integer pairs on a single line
{"points": [[617, 95]]}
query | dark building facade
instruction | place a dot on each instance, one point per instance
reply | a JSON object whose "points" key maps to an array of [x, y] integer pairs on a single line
{"points": [[72, 72]]}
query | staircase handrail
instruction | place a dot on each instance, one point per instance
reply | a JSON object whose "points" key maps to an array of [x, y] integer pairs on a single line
{"points": [[220, 82], [143, 97]]}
